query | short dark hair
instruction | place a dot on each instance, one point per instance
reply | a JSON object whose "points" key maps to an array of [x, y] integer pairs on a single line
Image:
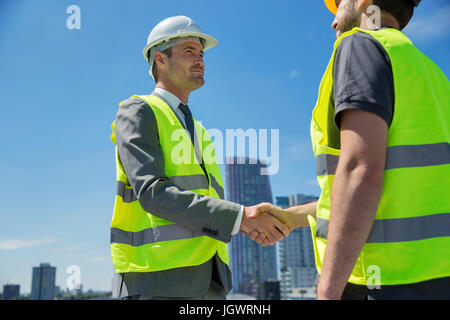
{"points": [[167, 52], [401, 10]]}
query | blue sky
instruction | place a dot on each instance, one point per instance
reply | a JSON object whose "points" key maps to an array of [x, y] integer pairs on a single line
{"points": [[60, 90]]}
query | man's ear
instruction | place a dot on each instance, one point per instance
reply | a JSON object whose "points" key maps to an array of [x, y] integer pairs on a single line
{"points": [[362, 5], [161, 60]]}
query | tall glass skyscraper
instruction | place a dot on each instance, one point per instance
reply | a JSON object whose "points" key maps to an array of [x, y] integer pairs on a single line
{"points": [[248, 260], [43, 282]]}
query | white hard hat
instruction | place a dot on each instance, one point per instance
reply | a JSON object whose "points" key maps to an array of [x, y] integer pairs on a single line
{"points": [[170, 28]]}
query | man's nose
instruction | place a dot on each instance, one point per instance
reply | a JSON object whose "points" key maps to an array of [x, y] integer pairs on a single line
{"points": [[334, 25], [199, 61]]}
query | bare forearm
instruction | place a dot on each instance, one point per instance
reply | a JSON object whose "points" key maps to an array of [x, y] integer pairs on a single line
{"points": [[301, 212], [354, 201], [355, 195]]}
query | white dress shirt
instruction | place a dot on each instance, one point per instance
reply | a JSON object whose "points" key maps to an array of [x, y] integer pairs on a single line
{"points": [[173, 102]]}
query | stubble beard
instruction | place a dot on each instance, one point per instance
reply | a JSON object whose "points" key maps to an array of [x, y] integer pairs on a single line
{"points": [[196, 82], [350, 20]]}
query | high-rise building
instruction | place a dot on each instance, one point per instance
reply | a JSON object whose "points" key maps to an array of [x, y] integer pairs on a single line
{"points": [[248, 260], [282, 202], [78, 289], [284, 276], [284, 272], [11, 291], [43, 282], [262, 290], [296, 252]]}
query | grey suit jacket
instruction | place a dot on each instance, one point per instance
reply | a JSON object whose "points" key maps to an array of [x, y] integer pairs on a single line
{"points": [[141, 156]]}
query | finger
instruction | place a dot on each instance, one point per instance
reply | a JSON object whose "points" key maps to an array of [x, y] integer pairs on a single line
{"points": [[253, 235], [282, 228], [276, 236], [243, 232], [259, 209], [261, 237], [269, 231], [254, 212], [265, 243], [271, 237], [279, 230]]}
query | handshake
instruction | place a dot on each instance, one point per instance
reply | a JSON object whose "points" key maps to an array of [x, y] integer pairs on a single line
{"points": [[267, 224]]}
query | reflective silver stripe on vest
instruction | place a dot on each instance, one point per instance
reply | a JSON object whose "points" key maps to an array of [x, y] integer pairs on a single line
{"points": [[397, 157], [418, 155], [152, 235], [326, 164], [193, 182], [400, 230], [216, 186]]}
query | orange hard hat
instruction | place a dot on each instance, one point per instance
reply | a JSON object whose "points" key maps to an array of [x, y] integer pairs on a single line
{"points": [[331, 5]]}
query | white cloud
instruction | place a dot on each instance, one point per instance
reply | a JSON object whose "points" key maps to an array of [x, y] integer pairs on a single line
{"points": [[429, 27], [14, 244], [67, 249], [294, 73]]}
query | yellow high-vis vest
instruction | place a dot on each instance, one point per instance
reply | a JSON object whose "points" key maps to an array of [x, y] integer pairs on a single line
{"points": [[410, 238], [144, 242]]}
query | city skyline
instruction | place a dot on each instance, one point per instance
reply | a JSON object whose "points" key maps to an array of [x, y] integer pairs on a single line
{"points": [[64, 85]]}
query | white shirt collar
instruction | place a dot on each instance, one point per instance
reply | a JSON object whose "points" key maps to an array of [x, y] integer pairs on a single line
{"points": [[171, 99]]}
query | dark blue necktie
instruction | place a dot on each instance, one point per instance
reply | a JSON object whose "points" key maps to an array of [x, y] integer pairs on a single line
{"points": [[189, 121], [191, 129]]}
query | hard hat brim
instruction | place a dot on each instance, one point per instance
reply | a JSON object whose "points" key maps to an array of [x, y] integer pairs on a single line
{"points": [[331, 5], [209, 41]]}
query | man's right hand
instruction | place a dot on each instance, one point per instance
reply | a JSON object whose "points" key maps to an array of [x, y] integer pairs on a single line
{"points": [[269, 230]]}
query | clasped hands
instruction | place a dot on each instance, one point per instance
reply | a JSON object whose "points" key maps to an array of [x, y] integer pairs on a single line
{"points": [[265, 223]]}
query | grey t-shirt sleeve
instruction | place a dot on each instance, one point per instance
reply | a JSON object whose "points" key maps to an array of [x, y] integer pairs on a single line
{"points": [[142, 158], [362, 77]]}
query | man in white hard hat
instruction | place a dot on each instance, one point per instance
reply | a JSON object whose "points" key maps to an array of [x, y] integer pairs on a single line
{"points": [[171, 225]]}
